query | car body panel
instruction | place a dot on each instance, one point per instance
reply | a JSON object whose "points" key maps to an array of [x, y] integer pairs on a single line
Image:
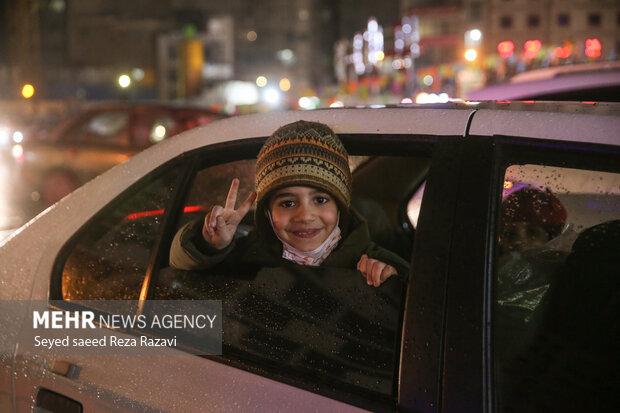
{"points": [[566, 126]]}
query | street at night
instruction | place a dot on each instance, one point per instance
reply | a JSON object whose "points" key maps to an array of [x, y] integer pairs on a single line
{"points": [[309, 206]]}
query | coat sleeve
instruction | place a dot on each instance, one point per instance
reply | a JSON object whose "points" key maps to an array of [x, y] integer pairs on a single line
{"points": [[190, 252]]}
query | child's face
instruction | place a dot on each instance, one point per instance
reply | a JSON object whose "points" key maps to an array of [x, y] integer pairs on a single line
{"points": [[520, 236], [303, 216]]}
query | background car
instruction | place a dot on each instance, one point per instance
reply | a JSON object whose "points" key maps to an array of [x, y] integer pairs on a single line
{"points": [[430, 181], [594, 82], [95, 140]]}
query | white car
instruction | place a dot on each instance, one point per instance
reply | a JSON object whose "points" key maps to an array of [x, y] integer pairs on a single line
{"points": [[459, 336]]}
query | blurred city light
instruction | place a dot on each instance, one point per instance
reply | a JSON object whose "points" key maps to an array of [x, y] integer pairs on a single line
{"points": [[475, 35], [4, 136], [252, 36], [17, 151], [531, 48], [428, 80], [241, 93], [304, 102], [506, 48], [28, 91], [137, 74], [18, 137], [159, 133], [374, 36], [309, 102], [406, 100], [286, 56], [337, 104], [471, 55], [422, 97], [562, 52], [124, 81], [285, 84], [432, 98], [261, 81], [593, 48], [272, 96]]}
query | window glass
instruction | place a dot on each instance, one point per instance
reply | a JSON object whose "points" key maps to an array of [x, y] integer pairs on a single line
{"points": [[533, 20], [111, 254], [594, 19], [556, 288], [563, 19], [505, 22], [322, 327]]}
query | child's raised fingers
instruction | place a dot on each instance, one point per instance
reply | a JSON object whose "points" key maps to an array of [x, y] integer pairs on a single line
{"points": [[231, 199], [215, 212], [246, 205]]}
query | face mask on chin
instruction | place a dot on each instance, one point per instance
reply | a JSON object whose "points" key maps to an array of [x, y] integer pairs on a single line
{"points": [[316, 256]]}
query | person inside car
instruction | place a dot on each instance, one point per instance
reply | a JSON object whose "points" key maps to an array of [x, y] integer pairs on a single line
{"points": [[533, 246], [303, 213]]}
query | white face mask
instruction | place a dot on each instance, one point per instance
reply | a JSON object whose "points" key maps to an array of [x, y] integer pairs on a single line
{"points": [[316, 256]]}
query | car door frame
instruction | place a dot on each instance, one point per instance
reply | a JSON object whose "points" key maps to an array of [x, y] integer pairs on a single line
{"points": [[467, 360]]}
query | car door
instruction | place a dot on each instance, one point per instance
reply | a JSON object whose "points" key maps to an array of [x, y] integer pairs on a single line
{"points": [[121, 254], [520, 332]]}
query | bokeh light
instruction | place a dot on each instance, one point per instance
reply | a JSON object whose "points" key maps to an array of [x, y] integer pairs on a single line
{"points": [[471, 55], [261, 81], [285, 84], [124, 81], [28, 91]]}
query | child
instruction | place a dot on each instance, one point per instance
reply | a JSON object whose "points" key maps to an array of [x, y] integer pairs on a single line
{"points": [[303, 213]]}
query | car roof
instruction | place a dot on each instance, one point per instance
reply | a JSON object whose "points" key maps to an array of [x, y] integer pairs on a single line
{"points": [[571, 121], [580, 82], [557, 71]]}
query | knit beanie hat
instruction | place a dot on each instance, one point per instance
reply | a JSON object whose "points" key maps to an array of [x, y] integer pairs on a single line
{"points": [[536, 207], [304, 154]]}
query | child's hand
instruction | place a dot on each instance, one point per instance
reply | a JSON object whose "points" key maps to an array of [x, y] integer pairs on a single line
{"points": [[221, 223], [375, 271]]}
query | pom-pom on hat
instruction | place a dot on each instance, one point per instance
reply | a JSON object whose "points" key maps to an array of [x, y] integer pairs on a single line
{"points": [[304, 154]]}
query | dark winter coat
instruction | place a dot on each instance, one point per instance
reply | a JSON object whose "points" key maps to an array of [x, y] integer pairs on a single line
{"points": [[190, 251]]}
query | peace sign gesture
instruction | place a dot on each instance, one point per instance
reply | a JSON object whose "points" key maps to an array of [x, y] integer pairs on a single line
{"points": [[221, 223]]}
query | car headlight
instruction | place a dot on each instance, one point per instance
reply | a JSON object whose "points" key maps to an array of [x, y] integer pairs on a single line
{"points": [[18, 137]]}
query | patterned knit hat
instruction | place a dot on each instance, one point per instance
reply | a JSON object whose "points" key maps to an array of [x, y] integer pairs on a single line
{"points": [[304, 154]]}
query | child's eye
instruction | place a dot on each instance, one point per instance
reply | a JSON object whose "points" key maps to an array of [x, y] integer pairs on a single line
{"points": [[287, 204], [322, 199]]}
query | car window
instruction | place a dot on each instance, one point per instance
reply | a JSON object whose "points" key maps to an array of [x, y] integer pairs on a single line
{"points": [[109, 257], [313, 326], [108, 127], [556, 288]]}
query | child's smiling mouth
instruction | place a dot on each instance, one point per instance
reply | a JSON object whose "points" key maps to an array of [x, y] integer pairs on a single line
{"points": [[306, 233]]}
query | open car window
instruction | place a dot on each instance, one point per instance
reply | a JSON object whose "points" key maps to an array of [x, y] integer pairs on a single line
{"points": [[323, 329]]}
